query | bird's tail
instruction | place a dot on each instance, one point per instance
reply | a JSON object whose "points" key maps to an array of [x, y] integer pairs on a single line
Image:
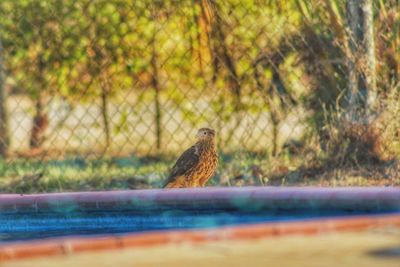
{"points": [[166, 183], [173, 183]]}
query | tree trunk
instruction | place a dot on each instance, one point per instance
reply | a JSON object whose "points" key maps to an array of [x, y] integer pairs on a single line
{"points": [[230, 64], [275, 132], [40, 122], [369, 46], [361, 60], [104, 113], [220, 51], [156, 87], [197, 24], [222, 55], [4, 131]]}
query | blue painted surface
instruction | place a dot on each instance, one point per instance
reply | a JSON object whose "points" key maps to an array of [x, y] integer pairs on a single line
{"points": [[26, 226]]}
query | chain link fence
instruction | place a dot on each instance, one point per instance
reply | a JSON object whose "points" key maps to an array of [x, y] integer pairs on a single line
{"points": [[105, 94]]}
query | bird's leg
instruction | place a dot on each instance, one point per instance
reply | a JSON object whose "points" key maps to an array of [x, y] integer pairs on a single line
{"points": [[194, 183]]}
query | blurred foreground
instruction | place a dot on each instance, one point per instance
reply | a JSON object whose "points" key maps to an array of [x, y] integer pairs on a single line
{"points": [[371, 248]]}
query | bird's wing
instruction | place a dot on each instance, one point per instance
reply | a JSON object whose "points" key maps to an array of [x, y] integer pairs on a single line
{"points": [[185, 162]]}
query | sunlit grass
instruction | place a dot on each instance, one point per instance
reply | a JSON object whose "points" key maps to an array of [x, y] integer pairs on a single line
{"points": [[79, 174], [241, 168]]}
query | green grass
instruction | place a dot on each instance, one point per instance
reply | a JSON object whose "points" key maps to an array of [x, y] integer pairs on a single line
{"points": [[77, 174], [237, 169]]}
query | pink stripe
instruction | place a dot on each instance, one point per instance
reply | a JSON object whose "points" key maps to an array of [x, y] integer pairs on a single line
{"points": [[298, 196]]}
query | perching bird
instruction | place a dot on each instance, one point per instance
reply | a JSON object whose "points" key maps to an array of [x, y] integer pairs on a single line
{"points": [[197, 164]]}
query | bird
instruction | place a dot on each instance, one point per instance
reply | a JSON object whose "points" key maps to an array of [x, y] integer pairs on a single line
{"points": [[197, 164]]}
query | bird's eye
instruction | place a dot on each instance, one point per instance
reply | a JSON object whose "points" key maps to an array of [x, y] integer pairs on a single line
{"points": [[204, 133]]}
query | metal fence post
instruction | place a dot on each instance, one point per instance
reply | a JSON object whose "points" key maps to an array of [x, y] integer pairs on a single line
{"points": [[361, 60]]}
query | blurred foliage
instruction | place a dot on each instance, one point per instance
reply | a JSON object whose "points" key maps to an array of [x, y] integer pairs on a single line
{"points": [[64, 46], [71, 47]]}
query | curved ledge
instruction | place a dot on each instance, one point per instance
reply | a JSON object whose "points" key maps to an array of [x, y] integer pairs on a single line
{"points": [[375, 198]]}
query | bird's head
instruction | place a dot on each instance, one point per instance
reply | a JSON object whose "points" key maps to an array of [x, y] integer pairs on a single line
{"points": [[205, 134]]}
